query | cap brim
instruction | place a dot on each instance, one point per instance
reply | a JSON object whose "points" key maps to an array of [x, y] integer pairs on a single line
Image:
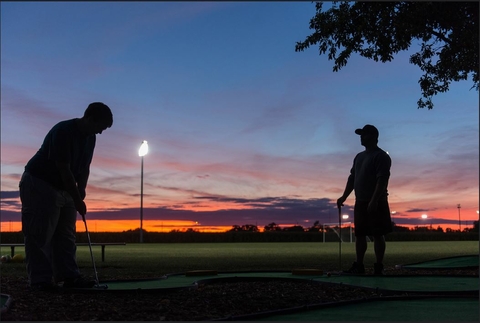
{"points": [[358, 131]]}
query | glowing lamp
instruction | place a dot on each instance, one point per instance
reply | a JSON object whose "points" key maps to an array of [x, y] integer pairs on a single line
{"points": [[143, 149]]}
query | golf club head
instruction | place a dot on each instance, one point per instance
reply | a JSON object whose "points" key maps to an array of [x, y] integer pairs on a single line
{"points": [[101, 286], [336, 273]]}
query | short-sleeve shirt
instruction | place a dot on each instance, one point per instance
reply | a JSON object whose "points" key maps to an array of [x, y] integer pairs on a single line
{"points": [[368, 166], [63, 143]]}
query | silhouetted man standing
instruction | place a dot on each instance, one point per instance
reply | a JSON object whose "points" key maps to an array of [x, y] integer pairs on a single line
{"points": [[369, 178], [52, 191]]}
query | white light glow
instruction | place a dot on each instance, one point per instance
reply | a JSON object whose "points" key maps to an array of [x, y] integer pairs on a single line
{"points": [[143, 149]]}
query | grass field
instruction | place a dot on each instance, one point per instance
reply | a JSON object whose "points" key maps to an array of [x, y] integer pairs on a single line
{"points": [[154, 260]]}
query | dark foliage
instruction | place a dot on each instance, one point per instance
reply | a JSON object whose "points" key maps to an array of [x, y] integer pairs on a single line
{"points": [[269, 236], [447, 32]]}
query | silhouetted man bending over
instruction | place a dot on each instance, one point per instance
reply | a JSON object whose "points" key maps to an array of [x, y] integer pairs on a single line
{"points": [[52, 190]]}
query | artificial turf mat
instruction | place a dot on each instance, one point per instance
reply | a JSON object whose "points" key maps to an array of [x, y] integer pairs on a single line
{"points": [[445, 298], [411, 283], [471, 261], [427, 309], [6, 300]]}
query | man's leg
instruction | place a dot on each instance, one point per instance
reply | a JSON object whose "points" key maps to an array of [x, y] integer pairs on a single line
{"points": [[360, 220], [379, 246], [39, 213], [64, 247], [360, 248], [359, 215], [382, 226]]}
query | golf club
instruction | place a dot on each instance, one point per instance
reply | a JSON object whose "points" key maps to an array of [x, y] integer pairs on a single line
{"points": [[97, 284], [340, 238]]}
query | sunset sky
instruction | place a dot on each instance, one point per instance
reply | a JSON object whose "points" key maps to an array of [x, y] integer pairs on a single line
{"points": [[241, 128]]}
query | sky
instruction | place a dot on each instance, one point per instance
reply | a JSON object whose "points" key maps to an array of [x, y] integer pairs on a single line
{"points": [[241, 128]]}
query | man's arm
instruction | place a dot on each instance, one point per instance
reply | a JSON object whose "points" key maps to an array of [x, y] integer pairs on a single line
{"points": [[71, 187], [380, 188], [82, 183], [348, 189], [382, 167]]}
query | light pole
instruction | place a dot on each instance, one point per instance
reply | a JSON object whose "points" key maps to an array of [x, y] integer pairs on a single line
{"points": [[142, 152], [459, 223], [478, 216]]}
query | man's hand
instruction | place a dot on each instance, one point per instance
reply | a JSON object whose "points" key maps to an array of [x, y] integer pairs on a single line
{"points": [[71, 187], [340, 201], [82, 193], [81, 208], [372, 207]]}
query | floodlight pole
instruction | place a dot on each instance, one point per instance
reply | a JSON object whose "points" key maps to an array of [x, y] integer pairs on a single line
{"points": [[142, 152], [141, 205], [459, 222]]}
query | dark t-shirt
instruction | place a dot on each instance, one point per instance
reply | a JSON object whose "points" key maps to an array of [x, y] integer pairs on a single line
{"points": [[367, 167], [63, 143]]}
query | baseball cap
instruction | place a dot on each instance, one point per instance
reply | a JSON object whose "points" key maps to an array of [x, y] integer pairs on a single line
{"points": [[367, 129]]}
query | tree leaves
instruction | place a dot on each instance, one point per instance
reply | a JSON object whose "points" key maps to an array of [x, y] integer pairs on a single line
{"points": [[448, 32]]}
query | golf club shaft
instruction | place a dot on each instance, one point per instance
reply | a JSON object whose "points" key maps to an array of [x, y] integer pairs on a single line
{"points": [[91, 253], [340, 238]]}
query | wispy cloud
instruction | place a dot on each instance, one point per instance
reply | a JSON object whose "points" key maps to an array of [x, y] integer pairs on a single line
{"points": [[10, 202], [237, 121], [9, 194], [21, 106], [419, 210]]}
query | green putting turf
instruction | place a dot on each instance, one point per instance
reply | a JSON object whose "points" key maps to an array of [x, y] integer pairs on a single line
{"points": [[446, 298], [6, 300], [439, 298], [410, 283], [413, 310], [430, 284], [470, 261]]}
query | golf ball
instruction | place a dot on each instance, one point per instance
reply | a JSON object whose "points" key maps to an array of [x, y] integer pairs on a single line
{"points": [[18, 258], [6, 258]]}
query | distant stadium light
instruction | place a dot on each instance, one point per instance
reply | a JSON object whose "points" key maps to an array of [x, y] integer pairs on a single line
{"points": [[143, 149], [142, 152]]}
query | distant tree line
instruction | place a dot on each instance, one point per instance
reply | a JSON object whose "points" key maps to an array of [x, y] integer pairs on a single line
{"points": [[271, 233], [273, 227], [318, 227], [430, 228]]}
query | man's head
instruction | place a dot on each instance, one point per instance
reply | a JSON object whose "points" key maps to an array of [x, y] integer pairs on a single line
{"points": [[368, 135], [98, 117]]}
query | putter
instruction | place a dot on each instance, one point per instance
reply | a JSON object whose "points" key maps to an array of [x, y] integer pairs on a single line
{"points": [[340, 238], [97, 284]]}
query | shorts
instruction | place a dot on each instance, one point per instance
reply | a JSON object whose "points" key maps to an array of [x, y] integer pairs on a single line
{"points": [[377, 224]]}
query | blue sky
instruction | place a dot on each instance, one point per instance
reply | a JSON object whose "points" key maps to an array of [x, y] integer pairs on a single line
{"points": [[234, 117]]}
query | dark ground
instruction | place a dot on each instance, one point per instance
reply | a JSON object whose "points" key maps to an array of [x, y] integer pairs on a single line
{"points": [[207, 302]]}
